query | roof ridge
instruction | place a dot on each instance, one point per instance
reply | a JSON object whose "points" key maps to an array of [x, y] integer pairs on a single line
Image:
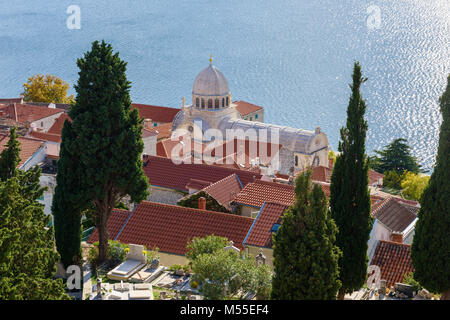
{"points": [[394, 243]]}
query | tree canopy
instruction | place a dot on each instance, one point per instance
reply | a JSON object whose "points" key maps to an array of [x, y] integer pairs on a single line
{"points": [[430, 251], [46, 88], [10, 156], [305, 254], [395, 156]]}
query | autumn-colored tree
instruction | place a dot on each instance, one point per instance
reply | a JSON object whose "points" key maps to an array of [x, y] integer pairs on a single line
{"points": [[46, 88]]}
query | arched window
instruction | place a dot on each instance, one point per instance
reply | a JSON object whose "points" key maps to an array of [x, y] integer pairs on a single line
{"points": [[296, 161], [216, 104], [227, 101], [209, 103], [197, 102], [203, 103], [223, 102]]}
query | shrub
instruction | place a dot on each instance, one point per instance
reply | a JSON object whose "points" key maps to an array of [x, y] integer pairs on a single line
{"points": [[194, 284]]}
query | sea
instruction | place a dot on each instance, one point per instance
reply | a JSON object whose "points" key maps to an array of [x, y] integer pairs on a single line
{"points": [[293, 57]]}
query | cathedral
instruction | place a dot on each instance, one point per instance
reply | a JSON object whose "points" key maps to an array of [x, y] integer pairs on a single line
{"points": [[212, 113]]}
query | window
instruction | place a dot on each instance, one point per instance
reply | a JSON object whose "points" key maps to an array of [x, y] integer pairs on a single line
{"points": [[251, 118], [296, 161], [197, 102], [223, 102], [216, 104], [227, 101], [155, 124], [42, 124], [256, 116], [275, 228], [209, 103], [203, 103]]}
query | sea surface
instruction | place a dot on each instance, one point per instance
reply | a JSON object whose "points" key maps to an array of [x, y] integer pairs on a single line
{"points": [[294, 58]]}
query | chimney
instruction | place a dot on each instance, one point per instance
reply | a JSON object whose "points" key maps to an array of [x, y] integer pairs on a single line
{"points": [[147, 124], [397, 237], [317, 131], [202, 203]]}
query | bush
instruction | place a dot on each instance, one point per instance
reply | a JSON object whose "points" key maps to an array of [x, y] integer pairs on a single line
{"points": [[152, 254], [408, 278], [194, 284], [116, 251]]}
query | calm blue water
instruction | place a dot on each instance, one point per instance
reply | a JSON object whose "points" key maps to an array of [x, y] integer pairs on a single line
{"points": [[292, 57]]}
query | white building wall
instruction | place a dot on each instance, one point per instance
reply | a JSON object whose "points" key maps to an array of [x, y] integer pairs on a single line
{"points": [[46, 123], [150, 145], [36, 158]]}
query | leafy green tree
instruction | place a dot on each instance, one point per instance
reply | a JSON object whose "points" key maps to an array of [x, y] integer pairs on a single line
{"points": [[10, 156], [205, 245], [102, 148], [48, 88], [430, 251], [395, 156], [225, 275], [27, 259], [211, 204], [305, 254], [393, 180], [350, 196], [413, 185]]}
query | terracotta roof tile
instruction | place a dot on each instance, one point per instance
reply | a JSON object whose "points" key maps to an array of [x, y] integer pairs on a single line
{"points": [[260, 234], [170, 227], [394, 214], [56, 128], [165, 173], [27, 113], [374, 176], [164, 131], [394, 261], [46, 136], [156, 113], [28, 147], [197, 184], [224, 191], [245, 108]]}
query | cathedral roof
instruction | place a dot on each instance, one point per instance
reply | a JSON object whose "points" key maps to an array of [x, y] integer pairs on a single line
{"points": [[210, 82]]}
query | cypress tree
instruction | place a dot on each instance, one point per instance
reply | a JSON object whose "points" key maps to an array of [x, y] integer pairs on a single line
{"points": [[430, 251], [104, 146], [10, 156], [350, 197], [305, 254]]}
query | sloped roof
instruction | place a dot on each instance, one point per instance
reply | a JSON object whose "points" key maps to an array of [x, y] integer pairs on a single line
{"points": [[164, 131], [245, 108], [170, 227], [394, 214], [56, 128], [46, 136], [260, 234], [374, 176], [28, 147], [27, 113], [394, 261], [225, 190], [165, 173], [156, 113], [258, 192]]}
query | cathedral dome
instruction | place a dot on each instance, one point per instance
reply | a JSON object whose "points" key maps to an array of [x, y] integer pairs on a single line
{"points": [[210, 82]]}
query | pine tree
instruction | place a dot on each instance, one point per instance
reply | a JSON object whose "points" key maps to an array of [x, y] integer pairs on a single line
{"points": [[350, 197], [103, 144], [430, 251], [305, 254], [396, 156], [10, 156]]}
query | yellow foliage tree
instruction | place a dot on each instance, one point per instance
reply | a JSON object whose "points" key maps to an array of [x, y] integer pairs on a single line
{"points": [[414, 184], [46, 88]]}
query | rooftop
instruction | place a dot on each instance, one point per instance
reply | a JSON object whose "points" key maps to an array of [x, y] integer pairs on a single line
{"points": [[156, 113], [28, 147], [394, 214], [394, 261], [56, 128], [26, 113], [170, 227], [224, 191], [245, 108]]}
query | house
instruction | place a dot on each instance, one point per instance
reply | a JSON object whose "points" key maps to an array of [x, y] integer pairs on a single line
{"points": [[156, 115], [34, 117], [395, 220], [170, 228], [170, 181], [249, 111], [266, 223], [220, 193], [394, 261]]}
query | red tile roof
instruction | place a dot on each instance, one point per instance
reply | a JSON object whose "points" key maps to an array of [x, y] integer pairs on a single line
{"points": [[148, 133], [321, 173], [46, 136], [170, 227], [164, 131], [115, 223], [165, 173], [374, 176], [224, 191], [197, 184], [28, 147], [156, 113], [56, 128], [260, 234], [245, 108], [394, 214], [394, 261], [27, 113]]}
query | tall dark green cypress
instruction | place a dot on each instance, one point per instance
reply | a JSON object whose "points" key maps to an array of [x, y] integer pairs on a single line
{"points": [[430, 251], [101, 158], [10, 156], [305, 251], [350, 196]]}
